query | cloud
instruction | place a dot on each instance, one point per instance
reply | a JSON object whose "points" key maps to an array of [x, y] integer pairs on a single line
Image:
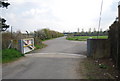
{"points": [[60, 15], [35, 12]]}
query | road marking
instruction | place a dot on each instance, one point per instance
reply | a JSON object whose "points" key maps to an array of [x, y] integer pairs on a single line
{"points": [[56, 55]]}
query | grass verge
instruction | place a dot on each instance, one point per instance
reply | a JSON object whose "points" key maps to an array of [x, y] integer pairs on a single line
{"points": [[84, 38], [40, 46], [37, 47], [0, 56], [9, 55], [48, 39], [100, 69]]}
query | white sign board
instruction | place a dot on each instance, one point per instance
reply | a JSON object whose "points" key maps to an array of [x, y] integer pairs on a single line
{"points": [[27, 45]]}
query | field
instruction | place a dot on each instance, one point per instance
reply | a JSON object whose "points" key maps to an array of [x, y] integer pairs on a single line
{"points": [[84, 38]]}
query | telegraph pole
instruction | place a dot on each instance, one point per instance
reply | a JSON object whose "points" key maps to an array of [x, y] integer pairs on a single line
{"points": [[100, 19], [78, 30]]}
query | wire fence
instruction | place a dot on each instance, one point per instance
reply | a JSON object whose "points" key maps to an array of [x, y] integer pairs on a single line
{"points": [[9, 41]]}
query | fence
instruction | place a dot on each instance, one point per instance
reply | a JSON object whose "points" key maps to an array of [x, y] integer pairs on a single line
{"points": [[114, 38], [9, 41]]}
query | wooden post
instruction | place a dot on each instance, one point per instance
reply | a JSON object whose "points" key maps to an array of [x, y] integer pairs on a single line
{"points": [[11, 32], [119, 11]]}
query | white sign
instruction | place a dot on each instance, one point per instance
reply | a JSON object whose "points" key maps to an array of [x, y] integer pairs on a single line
{"points": [[27, 45]]}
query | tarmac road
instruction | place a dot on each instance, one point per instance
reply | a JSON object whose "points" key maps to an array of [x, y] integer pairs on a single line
{"points": [[59, 60], [61, 45]]}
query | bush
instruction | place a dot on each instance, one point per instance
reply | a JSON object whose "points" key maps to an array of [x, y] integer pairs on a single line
{"points": [[10, 55], [45, 34]]}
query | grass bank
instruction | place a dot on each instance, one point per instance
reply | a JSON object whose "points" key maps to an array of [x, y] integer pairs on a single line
{"points": [[84, 38], [9, 55]]}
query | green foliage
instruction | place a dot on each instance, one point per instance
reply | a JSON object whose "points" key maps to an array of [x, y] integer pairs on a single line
{"points": [[102, 66], [10, 55], [84, 38], [45, 34], [0, 56]]}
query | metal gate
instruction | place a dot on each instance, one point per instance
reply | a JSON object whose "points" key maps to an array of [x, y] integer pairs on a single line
{"points": [[26, 45]]}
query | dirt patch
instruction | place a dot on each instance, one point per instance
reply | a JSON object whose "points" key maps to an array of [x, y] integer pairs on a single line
{"points": [[81, 70], [98, 69]]}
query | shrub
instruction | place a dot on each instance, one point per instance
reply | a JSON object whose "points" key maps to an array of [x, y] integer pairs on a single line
{"points": [[45, 34]]}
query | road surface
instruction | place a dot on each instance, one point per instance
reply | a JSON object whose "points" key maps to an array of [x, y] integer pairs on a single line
{"points": [[61, 45], [59, 60]]}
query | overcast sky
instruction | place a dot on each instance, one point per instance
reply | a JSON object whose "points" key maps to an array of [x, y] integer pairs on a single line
{"points": [[59, 15]]}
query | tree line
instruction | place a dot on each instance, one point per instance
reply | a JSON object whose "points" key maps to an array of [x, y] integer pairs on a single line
{"points": [[39, 36], [88, 33], [44, 34]]}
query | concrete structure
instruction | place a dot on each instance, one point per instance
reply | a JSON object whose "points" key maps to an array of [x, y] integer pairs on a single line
{"points": [[98, 48]]}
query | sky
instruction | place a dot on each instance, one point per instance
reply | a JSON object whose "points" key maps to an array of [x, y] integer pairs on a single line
{"points": [[59, 15]]}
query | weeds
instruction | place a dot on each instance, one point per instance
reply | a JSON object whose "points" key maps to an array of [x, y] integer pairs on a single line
{"points": [[102, 69]]}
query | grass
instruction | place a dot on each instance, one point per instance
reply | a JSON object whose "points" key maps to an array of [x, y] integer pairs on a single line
{"points": [[9, 55], [40, 46], [48, 39], [37, 47], [0, 56], [84, 38]]}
